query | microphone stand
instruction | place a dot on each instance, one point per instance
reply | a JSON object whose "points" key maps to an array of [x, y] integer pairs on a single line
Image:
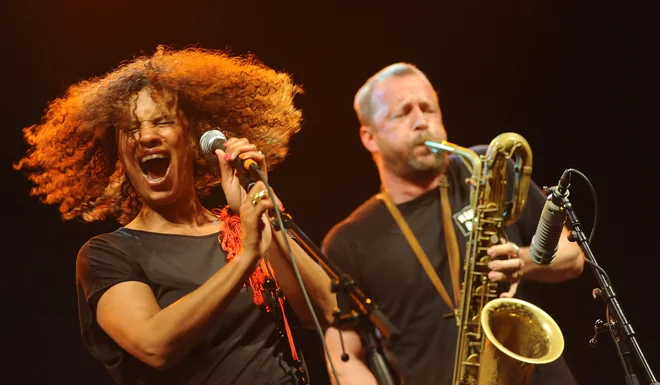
{"points": [[368, 318], [622, 331]]}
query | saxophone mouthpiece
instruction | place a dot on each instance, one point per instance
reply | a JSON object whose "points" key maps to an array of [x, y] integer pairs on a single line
{"points": [[438, 146]]}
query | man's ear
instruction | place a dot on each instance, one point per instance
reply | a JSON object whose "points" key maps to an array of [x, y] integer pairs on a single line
{"points": [[368, 140]]}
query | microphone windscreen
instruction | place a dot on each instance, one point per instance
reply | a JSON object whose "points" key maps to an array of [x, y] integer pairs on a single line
{"points": [[208, 138]]}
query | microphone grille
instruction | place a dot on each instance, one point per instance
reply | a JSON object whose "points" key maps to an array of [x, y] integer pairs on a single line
{"points": [[207, 139]]}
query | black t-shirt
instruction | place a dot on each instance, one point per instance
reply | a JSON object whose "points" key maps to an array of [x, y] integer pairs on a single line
{"points": [[244, 347], [370, 247]]}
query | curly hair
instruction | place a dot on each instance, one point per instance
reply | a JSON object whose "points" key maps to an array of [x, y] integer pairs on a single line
{"points": [[73, 158]]}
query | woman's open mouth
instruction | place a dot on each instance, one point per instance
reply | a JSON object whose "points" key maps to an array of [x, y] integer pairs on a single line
{"points": [[155, 167]]}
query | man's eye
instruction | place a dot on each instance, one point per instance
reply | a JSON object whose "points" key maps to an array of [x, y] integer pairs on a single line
{"points": [[165, 123]]}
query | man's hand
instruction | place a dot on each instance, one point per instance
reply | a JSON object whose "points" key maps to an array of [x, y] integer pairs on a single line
{"points": [[509, 269]]}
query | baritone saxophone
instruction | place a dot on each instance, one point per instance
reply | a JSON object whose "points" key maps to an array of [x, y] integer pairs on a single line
{"points": [[500, 340]]}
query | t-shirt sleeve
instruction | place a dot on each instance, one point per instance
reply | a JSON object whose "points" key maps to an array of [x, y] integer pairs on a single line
{"points": [[337, 248], [100, 264]]}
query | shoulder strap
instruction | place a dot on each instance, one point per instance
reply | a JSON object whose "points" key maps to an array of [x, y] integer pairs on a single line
{"points": [[450, 241]]}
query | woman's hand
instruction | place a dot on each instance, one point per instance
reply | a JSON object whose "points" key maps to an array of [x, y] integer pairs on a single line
{"points": [[257, 234], [242, 149]]}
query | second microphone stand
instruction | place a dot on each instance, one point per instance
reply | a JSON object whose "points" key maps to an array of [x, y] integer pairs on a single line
{"points": [[364, 314], [622, 331]]}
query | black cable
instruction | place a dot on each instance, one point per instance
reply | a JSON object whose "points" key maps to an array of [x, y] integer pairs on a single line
{"points": [[616, 344], [602, 271], [344, 355], [595, 221], [595, 197], [278, 214]]}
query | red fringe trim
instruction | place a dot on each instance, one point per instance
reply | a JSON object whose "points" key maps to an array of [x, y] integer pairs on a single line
{"points": [[230, 241]]}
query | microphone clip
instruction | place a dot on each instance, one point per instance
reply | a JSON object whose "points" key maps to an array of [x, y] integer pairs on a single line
{"points": [[561, 191], [557, 194]]}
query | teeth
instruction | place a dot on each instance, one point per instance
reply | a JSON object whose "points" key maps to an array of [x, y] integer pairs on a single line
{"points": [[153, 156], [151, 179]]}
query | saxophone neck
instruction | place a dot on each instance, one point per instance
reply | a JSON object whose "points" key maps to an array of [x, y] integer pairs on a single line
{"points": [[469, 157], [510, 146]]}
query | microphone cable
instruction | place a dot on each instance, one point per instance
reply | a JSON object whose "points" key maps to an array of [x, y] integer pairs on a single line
{"points": [[595, 220], [317, 326]]}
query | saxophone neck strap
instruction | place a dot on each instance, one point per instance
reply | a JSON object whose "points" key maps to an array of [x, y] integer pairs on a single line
{"points": [[450, 241]]}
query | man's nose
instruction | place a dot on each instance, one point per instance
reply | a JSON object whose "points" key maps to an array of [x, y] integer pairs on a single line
{"points": [[420, 122]]}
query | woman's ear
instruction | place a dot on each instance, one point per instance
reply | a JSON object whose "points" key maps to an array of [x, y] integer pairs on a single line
{"points": [[183, 119]]}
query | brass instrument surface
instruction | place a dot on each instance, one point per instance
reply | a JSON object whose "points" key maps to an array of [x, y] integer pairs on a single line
{"points": [[499, 340]]}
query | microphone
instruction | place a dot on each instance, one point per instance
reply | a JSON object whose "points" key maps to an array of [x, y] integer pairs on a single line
{"points": [[546, 239], [213, 140]]}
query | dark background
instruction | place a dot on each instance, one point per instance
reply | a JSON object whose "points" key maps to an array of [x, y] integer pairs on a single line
{"points": [[576, 78]]}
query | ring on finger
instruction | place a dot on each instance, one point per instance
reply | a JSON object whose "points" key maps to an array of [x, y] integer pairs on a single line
{"points": [[256, 197], [518, 273], [516, 249]]}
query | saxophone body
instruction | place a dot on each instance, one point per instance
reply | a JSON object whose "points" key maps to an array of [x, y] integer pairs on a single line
{"points": [[500, 340]]}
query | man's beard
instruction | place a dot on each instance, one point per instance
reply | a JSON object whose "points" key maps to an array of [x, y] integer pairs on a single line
{"points": [[418, 170], [414, 169]]}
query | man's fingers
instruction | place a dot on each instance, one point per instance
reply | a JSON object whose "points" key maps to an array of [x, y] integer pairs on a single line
{"points": [[509, 248], [496, 276], [512, 290], [505, 265]]}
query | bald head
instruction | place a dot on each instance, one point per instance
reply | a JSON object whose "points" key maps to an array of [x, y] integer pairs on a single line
{"points": [[363, 102]]}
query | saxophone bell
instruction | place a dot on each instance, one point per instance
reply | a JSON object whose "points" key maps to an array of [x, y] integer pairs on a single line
{"points": [[519, 336]]}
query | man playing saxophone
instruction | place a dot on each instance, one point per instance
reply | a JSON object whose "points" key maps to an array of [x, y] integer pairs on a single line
{"points": [[425, 193]]}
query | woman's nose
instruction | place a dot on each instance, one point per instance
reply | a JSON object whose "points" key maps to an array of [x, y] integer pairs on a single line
{"points": [[148, 137]]}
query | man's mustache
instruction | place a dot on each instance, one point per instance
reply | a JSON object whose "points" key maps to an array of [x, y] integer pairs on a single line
{"points": [[421, 138]]}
